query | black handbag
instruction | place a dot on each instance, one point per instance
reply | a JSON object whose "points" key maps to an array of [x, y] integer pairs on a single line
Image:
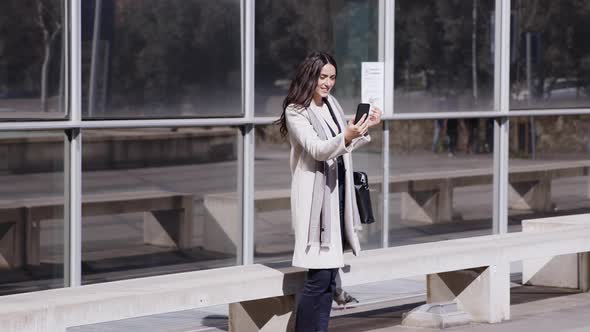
{"points": [[363, 197]]}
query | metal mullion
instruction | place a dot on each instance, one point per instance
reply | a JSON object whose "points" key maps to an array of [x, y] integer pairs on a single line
{"points": [[246, 187], [387, 55], [501, 125], [247, 141], [154, 123], [440, 115], [73, 154], [381, 30], [389, 58], [385, 186], [73, 209], [500, 215], [210, 122], [549, 112]]}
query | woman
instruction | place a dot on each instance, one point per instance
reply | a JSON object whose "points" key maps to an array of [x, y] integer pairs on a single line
{"points": [[323, 205]]}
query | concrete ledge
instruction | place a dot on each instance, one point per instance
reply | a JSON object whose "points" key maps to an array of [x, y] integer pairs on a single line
{"points": [[55, 310]]}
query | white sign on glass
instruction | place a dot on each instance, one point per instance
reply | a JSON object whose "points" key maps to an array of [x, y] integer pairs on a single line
{"points": [[372, 76]]}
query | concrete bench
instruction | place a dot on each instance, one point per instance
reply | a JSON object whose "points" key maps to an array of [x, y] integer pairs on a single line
{"points": [[566, 271], [474, 272], [428, 197], [167, 220], [425, 197]]}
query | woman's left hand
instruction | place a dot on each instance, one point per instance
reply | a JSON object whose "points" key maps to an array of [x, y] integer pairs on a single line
{"points": [[374, 116]]}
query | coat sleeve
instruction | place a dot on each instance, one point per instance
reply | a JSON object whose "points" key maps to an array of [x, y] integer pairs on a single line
{"points": [[301, 130], [358, 142]]}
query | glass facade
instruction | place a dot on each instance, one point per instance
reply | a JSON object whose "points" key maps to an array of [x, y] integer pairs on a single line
{"points": [[273, 234], [31, 211], [548, 167], [186, 170], [32, 59], [440, 184], [161, 59], [444, 54], [285, 31], [549, 60], [159, 200]]}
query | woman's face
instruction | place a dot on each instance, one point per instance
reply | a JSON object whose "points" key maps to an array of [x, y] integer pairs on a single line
{"points": [[326, 81]]}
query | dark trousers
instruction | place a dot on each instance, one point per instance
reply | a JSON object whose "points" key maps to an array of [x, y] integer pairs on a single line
{"points": [[315, 303]]}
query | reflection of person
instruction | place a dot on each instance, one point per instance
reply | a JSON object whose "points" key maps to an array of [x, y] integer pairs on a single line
{"points": [[452, 131], [489, 145], [323, 205], [438, 125], [473, 135]]}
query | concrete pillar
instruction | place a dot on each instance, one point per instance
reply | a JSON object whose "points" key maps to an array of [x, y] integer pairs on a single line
{"points": [[445, 201], [223, 227], [11, 245], [483, 292], [429, 206], [273, 314], [170, 228], [565, 271], [531, 195]]}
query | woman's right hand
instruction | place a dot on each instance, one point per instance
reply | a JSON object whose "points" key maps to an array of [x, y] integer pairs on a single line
{"points": [[354, 130]]}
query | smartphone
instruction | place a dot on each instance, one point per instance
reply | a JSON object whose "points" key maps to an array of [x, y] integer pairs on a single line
{"points": [[362, 109]]}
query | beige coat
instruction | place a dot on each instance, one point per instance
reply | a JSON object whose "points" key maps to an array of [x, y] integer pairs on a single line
{"points": [[306, 149]]}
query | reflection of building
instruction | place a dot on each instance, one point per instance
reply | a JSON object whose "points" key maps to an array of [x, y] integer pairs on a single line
{"points": [[174, 101]]}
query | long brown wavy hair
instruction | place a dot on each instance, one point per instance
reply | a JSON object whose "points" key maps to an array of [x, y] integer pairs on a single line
{"points": [[303, 86]]}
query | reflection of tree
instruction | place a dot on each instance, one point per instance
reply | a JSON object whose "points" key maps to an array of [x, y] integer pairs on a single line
{"points": [[29, 35], [48, 19], [561, 50], [287, 30], [444, 43], [170, 52]]}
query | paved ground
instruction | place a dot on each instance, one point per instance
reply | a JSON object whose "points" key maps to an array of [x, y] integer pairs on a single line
{"points": [[569, 313]]}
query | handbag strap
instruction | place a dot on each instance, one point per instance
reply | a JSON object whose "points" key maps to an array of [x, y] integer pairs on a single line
{"points": [[333, 117]]}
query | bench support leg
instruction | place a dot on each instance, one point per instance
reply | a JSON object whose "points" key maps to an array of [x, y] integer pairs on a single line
{"points": [[168, 228], [566, 271], [531, 195], [483, 292], [428, 206], [273, 314], [11, 252], [222, 227]]}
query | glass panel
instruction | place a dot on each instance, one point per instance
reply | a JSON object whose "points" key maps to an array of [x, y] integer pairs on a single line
{"points": [[31, 211], [444, 56], [286, 31], [159, 200], [32, 61], [274, 238], [549, 162], [550, 55], [441, 180], [154, 58], [369, 159]]}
